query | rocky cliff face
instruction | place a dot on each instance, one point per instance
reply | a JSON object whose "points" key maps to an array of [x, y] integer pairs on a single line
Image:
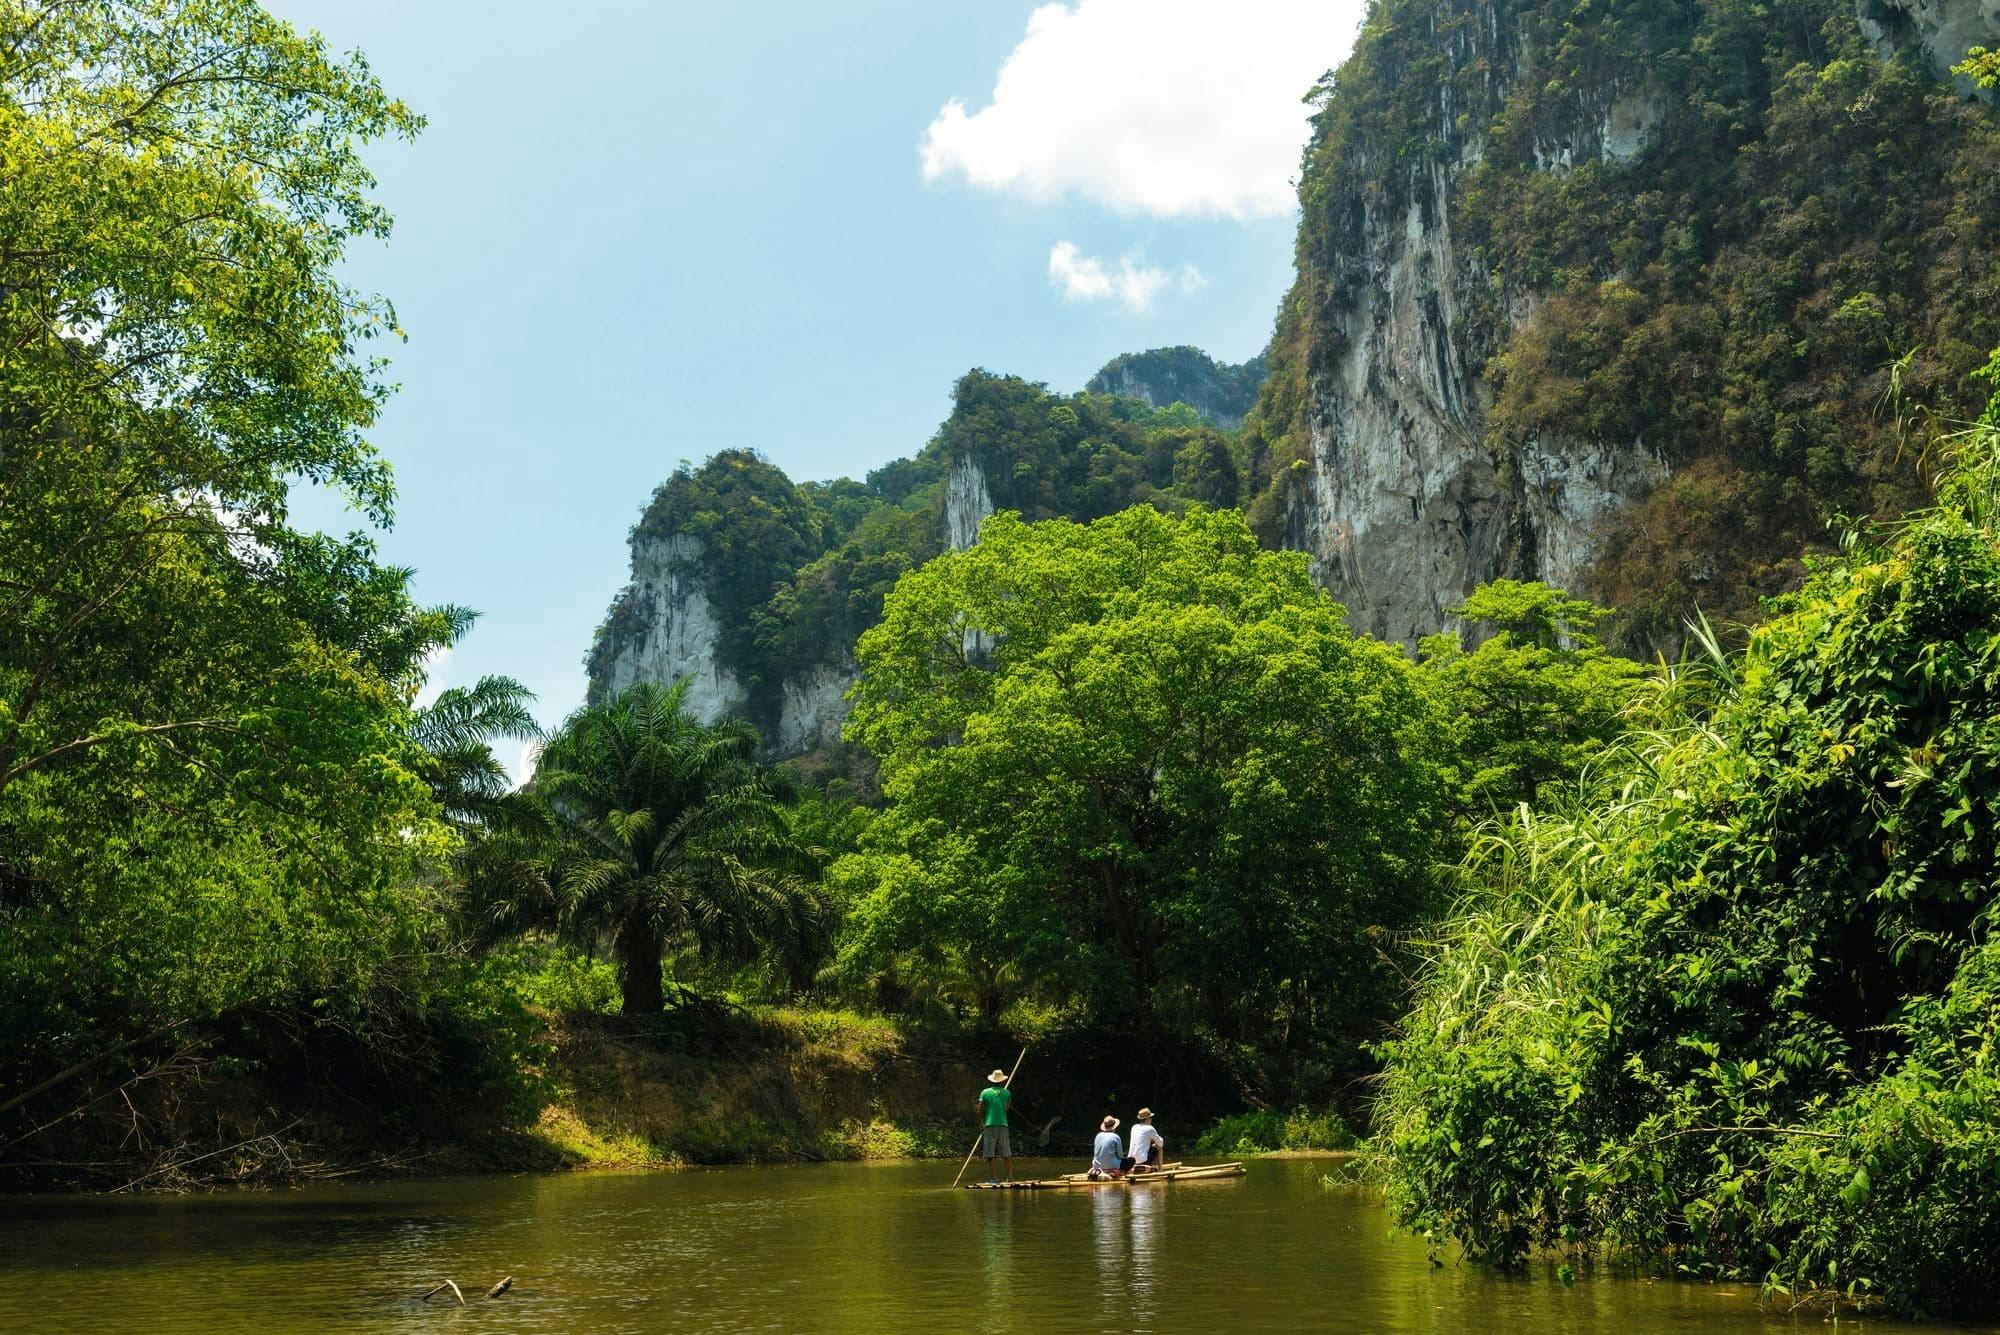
{"points": [[1221, 393], [1942, 29], [675, 632], [755, 588], [1404, 509], [1452, 192]]}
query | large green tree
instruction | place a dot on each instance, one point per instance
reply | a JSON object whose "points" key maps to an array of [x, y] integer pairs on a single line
{"points": [[208, 792], [1142, 767], [655, 832]]}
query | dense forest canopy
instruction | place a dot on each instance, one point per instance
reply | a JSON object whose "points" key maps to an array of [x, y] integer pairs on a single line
{"points": [[209, 794]]}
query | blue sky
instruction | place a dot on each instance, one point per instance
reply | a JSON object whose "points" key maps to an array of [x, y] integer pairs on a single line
{"points": [[636, 233]]}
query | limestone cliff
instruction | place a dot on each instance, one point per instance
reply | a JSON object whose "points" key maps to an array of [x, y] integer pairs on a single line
{"points": [[670, 630], [1554, 254], [755, 588]]}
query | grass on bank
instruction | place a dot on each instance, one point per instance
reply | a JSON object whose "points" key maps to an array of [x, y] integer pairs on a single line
{"points": [[1269, 1131]]}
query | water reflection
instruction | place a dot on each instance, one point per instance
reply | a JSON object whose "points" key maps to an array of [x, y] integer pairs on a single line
{"points": [[1126, 1228], [996, 1248], [840, 1249]]}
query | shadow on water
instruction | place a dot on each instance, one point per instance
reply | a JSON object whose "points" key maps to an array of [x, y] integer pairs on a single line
{"points": [[838, 1248]]}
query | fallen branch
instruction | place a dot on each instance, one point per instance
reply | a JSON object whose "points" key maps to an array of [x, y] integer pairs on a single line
{"points": [[270, 1137], [72, 1072], [501, 1287]]}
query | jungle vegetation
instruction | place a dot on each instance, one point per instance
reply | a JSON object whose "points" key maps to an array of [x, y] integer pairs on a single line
{"points": [[796, 572], [1731, 1006], [1694, 963], [1140, 774]]}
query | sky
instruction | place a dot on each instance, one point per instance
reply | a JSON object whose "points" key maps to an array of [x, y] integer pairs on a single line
{"points": [[636, 232]]}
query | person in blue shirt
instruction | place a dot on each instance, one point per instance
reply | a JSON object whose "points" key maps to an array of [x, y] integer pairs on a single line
{"points": [[1107, 1152]]}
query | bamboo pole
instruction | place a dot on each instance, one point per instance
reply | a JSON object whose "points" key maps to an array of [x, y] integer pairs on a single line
{"points": [[982, 1130]]}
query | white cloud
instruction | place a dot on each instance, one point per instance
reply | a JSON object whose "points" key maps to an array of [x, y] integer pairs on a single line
{"points": [[1082, 277], [1177, 108], [525, 760]]}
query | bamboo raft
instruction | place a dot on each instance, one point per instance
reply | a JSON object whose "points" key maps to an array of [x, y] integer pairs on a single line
{"points": [[1173, 1172]]}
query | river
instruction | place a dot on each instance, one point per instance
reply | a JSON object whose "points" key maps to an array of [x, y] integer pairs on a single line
{"points": [[837, 1247]]}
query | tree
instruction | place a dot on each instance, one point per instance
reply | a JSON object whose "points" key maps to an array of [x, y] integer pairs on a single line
{"points": [[209, 796], [657, 831], [457, 731], [1536, 700], [1143, 768]]}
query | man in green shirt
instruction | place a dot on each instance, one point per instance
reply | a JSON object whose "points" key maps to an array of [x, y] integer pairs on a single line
{"points": [[993, 1104]]}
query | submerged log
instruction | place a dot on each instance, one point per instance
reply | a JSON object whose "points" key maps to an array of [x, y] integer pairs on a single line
{"points": [[501, 1287]]}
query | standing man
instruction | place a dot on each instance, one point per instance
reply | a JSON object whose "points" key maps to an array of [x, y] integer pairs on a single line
{"points": [[994, 1101], [1148, 1145]]}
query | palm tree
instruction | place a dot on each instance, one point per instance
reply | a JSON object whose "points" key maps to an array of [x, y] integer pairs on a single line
{"points": [[658, 830], [457, 731]]}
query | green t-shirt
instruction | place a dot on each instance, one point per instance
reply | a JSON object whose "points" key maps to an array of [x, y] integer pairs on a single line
{"points": [[995, 1100]]}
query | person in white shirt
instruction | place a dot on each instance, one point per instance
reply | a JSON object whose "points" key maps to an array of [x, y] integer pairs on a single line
{"points": [[1148, 1145], [1107, 1155]]}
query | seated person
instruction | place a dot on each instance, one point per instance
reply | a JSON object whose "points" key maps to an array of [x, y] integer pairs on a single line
{"points": [[1148, 1145], [1107, 1154]]}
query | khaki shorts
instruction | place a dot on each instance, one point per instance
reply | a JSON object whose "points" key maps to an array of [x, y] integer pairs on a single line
{"points": [[994, 1143]]}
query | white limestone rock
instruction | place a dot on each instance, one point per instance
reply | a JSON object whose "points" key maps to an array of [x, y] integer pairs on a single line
{"points": [[679, 634]]}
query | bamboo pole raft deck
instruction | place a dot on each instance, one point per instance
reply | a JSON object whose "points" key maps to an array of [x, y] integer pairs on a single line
{"points": [[1173, 1172]]}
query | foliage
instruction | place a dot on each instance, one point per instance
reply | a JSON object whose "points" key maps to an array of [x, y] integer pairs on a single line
{"points": [[210, 798], [1808, 227], [1735, 1011], [652, 831], [1268, 1130], [1142, 767], [456, 732], [552, 975], [1981, 66], [1537, 700]]}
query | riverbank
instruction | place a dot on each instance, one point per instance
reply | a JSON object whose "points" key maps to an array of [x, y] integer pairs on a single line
{"points": [[272, 1102], [763, 1086], [265, 1105]]}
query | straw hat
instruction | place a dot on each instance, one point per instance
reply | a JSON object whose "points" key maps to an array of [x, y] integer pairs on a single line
{"points": [[1142, 1114], [1108, 1124], [998, 1077]]}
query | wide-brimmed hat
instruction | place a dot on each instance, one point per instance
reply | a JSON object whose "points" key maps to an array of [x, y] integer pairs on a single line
{"points": [[1108, 1124], [1143, 1114], [999, 1077]]}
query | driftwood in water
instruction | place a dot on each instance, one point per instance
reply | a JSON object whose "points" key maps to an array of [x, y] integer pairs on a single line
{"points": [[440, 1288], [499, 1288]]}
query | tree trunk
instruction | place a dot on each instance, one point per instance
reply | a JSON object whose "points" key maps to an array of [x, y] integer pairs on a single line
{"points": [[639, 968]]}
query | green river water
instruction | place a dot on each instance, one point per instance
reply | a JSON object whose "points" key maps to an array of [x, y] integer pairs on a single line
{"points": [[836, 1247]]}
